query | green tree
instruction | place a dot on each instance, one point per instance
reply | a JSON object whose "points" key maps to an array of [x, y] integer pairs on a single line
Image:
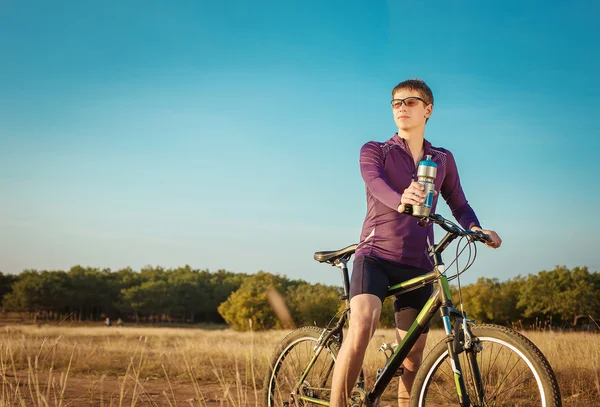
{"points": [[563, 294], [214, 289], [148, 300], [188, 292], [45, 292], [489, 300], [250, 303], [313, 304], [93, 292], [387, 318], [6, 283]]}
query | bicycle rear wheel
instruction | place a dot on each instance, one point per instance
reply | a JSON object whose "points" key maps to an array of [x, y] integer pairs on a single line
{"points": [[282, 387], [513, 372]]}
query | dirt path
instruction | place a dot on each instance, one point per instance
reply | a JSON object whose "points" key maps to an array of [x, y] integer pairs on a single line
{"points": [[109, 391], [106, 391]]}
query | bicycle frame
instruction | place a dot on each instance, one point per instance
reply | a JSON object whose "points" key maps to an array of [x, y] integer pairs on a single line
{"points": [[440, 300]]}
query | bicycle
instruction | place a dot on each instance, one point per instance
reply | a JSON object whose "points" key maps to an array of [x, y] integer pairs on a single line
{"points": [[474, 365]]}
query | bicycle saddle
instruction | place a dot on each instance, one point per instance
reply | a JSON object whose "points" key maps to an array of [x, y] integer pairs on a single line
{"points": [[333, 256]]}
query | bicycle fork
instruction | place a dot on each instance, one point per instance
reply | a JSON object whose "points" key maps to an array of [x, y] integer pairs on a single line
{"points": [[460, 340], [463, 397], [453, 336]]}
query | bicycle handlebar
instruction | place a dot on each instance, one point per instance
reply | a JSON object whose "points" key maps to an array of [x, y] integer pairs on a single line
{"points": [[474, 235]]}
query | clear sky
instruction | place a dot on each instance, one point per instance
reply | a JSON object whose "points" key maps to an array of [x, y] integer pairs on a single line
{"points": [[226, 134]]}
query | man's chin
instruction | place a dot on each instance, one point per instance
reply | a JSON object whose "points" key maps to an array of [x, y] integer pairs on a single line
{"points": [[408, 126]]}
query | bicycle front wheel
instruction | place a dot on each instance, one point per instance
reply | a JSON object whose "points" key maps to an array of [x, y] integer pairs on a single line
{"points": [[506, 369], [290, 361]]}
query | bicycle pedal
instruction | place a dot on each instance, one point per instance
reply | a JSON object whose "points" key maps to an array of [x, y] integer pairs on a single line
{"points": [[386, 347]]}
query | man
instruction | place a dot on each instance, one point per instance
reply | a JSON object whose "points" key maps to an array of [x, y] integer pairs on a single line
{"points": [[393, 247]]}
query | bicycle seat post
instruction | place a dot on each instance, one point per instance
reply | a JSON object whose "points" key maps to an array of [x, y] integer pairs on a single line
{"points": [[342, 265]]}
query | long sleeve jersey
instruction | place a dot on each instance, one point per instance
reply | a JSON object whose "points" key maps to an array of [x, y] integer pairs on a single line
{"points": [[388, 169]]}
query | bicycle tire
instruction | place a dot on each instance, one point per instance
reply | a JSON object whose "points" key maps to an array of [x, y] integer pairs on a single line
{"points": [[514, 372], [281, 377]]}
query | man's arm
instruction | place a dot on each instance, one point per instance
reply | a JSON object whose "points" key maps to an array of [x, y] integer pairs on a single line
{"points": [[461, 210], [371, 170]]}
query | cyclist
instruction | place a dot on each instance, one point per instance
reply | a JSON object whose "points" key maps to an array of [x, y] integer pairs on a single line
{"points": [[393, 247]]}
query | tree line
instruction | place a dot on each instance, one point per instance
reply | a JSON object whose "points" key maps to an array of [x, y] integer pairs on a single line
{"points": [[152, 294], [562, 297]]}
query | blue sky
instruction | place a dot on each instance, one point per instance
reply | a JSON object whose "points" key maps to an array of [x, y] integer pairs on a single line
{"points": [[226, 134]]}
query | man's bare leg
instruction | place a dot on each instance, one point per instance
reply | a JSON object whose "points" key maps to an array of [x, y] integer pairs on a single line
{"points": [[364, 316], [411, 365]]}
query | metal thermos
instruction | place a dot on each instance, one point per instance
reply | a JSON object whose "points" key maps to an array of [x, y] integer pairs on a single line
{"points": [[426, 176]]}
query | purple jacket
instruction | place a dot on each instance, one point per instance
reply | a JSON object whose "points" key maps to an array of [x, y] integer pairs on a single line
{"points": [[388, 169]]}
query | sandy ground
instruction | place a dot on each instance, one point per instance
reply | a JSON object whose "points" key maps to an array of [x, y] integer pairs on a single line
{"points": [[106, 391]]}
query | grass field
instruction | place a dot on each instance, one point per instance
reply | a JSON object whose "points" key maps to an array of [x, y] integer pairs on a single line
{"points": [[109, 366]]}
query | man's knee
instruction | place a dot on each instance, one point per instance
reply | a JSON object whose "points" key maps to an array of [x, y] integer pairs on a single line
{"points": [[365, 310], [361, 332], [365, 307]]}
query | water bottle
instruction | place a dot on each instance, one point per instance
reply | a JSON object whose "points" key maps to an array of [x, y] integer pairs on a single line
{"points": [[426, 176]]}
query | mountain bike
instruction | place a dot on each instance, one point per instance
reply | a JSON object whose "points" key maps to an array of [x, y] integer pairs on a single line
{"points": [[474, 365]]}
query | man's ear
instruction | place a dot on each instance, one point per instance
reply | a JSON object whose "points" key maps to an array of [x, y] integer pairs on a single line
{"points": [[428, 111]]}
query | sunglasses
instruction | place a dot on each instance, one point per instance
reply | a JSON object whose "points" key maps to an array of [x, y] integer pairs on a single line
{"points": [[408, 102]]}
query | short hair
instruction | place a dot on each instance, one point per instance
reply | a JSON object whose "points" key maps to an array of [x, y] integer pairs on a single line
{"points": [[416, 84]]}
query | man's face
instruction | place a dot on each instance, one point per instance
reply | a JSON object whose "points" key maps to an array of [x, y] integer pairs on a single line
{"points": [[410, 113]]}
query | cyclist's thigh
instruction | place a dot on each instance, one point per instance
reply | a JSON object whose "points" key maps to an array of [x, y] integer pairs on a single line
{"points": [[408, 305], [365, 310], [369, 277]]}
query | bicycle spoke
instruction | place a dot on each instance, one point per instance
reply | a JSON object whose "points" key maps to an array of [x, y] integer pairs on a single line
{"points": [[293, 364], [451, 375], [512, 384], [512, 388], [506, 375], [508, 386], [490, 364], [489, 373], [447, 396], [289, 371], [507, 379], [444, 389], [450, 397], [472, 386]]}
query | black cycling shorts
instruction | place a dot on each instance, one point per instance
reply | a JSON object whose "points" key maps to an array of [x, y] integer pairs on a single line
{"points": [[371, 275]]}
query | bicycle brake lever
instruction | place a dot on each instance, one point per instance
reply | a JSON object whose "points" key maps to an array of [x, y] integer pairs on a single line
{"points": [[477, 235], [484, 238]]}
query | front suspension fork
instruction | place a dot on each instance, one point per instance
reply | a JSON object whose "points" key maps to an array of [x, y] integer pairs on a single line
{"points": [[461, 390]]}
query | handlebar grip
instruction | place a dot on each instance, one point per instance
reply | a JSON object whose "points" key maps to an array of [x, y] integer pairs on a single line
{"points": [[483, 237]]}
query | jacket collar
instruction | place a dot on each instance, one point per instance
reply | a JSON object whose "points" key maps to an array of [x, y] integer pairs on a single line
{"points": [[397, 140]]}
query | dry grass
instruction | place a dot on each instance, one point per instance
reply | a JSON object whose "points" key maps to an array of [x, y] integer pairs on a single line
{"points": [[574, 357], [44, 366]]}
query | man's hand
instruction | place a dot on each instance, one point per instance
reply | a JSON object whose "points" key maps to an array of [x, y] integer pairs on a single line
{"points": [[496, 241], [413, 195]]}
